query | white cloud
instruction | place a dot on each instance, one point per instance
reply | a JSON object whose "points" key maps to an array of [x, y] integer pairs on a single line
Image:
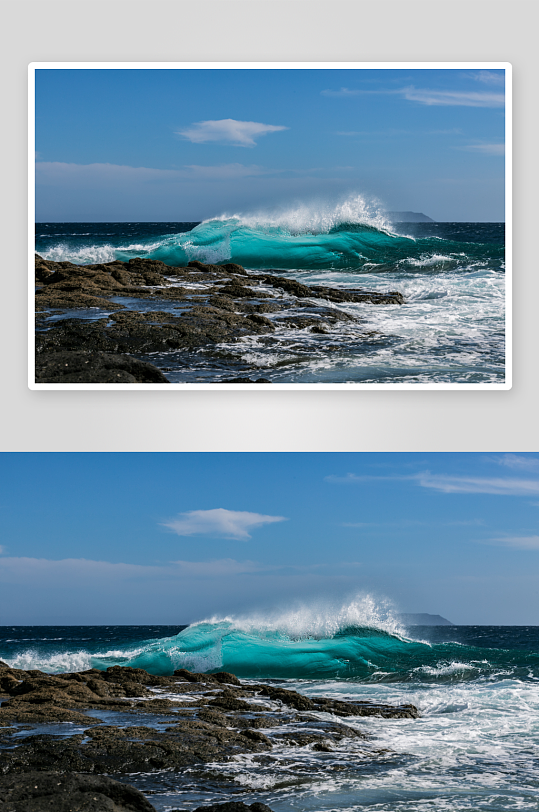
{"points": [[233, 524], [487, 77], [486, 149], [344, 91], [497, 486], [454, 97], [228, 130], [518, 542], [518, 461], [349, 478]]}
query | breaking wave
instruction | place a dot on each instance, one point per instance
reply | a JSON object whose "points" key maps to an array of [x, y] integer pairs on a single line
{"points": [[359, 640], [350, 235]]}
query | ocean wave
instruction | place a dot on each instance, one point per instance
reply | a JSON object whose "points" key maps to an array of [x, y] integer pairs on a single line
{"points": [[348, 235], [357, 640]]}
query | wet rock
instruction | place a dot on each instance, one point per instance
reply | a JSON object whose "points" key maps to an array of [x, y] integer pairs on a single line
{"points": [[318, 703], [214, 718], [52, 298], [256, 736], [245, 380], [296, 288], [60, 792], [288, 285], [137, 333], [290, 698], [239, 291], [232, 806], [216, 724], [220, 307], [226, 678], [194, 676], [8, 683], [86, 366], [233, 267], [261, 721], [339, 295], [46, 713], [365, 709], [229, 701]]}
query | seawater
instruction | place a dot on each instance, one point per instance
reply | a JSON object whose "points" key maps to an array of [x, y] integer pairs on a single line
{"points": [[474, 747], [452, 275]]}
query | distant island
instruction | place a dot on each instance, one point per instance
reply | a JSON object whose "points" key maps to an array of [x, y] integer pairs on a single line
{"points": [[424, 619], [409, 217]]}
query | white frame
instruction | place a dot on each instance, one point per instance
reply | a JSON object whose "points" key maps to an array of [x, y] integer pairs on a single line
{"points": [[506, 66]]}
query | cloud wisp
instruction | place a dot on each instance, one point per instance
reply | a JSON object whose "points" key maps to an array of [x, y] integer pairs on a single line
{"points": [[485, 149], [228, 131], [231, 524], [499, 486], [487, 77], [453, 98], [344, 92], [518, 461], [56, 173], [68, 570], [516, 542]]}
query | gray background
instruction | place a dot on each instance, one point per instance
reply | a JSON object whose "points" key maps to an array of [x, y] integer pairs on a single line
{"points": [[269, 30]]}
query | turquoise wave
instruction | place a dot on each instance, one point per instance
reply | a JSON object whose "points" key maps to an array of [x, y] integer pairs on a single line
{"points": [[275, 246], [359, 653], [341, 246]]}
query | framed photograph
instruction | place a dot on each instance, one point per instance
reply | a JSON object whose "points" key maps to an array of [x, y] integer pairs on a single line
{"points": [[270, 225]]}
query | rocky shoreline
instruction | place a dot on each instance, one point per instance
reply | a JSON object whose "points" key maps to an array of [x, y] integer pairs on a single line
{"points": [[151, 308], [124, 721]]}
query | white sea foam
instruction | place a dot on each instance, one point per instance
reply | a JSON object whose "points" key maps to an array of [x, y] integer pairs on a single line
{"points": [[67, 662], [431, 259], [96, 254]]}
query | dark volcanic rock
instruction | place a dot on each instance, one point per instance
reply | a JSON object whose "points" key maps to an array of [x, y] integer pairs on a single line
{"points": [[302, 703], [58, 792], [52, 298], [209, 305], [82, 366], [227, 700], [332, 294], [245, 380], [214, 724], [194, 676], [237, 291], [134, 332], [232, 806], [233, 267], [351, 295]]}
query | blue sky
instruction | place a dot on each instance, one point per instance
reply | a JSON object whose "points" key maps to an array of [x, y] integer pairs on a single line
{"points": [[185, 145], [172, 538]]}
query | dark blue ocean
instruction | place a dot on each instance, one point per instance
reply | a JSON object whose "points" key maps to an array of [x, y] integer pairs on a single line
{"points": [[474, 747], [452, 275]]}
